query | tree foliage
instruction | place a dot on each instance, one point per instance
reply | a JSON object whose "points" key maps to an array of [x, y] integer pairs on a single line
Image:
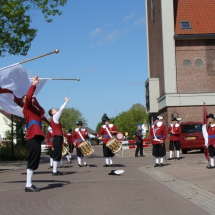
{"points": [[127, 120], [69, 117], [101, 122], [16, 34]]}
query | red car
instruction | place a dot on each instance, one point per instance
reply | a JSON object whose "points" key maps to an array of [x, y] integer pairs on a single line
{"points": [[191, 136]]}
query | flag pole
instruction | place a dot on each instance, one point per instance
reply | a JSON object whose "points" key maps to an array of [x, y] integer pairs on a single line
{"points": [[66, 79], [34, 58]]}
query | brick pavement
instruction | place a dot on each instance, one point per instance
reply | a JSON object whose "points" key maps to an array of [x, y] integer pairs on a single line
{"points": [[142, 189]]}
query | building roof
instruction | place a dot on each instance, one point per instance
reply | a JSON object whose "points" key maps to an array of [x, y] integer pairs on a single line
{"points": [[200, 14], [91, 131]]}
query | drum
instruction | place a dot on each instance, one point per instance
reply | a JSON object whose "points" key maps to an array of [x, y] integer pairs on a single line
{"points": [[114, 145], [64, 151], [86, 148]]}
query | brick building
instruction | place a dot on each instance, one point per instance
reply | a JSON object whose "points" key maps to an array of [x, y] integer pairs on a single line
{"points": [[181, 58]]}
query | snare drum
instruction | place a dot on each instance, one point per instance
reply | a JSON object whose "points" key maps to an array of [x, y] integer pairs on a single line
{"points": [[64, 151], [114, 145], [86, 148]]}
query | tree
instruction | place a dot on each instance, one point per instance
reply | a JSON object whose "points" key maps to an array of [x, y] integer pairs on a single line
{"points": [[16, 34], [101, 123], [69, 117], [127, 121]]}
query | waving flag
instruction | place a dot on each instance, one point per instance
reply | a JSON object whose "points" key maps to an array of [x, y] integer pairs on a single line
{"points": [[14, 84]]}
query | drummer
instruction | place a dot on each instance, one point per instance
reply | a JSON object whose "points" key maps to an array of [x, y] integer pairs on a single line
{"points": [[106, 132], [79, 135]]}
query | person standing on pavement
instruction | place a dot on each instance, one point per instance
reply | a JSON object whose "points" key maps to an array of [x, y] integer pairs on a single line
{"points": [[211, 139], [139, 141], [68, 136], [57, 133], [105, 134], [33, 113], [174, 130], [49, 144], [79, 135], [157, 139]]}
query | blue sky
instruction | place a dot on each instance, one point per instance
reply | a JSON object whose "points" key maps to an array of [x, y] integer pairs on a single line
{"points": [[102, 42]]}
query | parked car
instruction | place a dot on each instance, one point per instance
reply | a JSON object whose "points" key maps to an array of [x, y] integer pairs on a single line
{"points": [[44, 149], [191, 136]]}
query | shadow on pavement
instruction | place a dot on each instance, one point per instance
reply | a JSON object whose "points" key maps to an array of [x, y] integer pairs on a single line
{"points": [[48, 172]]}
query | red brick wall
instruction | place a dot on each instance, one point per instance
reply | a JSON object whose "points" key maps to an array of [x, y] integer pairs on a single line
{"points": [[193, 79], [155, 44]]}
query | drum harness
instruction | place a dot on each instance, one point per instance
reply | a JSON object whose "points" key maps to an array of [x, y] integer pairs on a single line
{"points": [[109, 132]]}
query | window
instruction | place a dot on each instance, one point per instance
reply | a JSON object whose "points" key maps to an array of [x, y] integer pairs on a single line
{"points": [[187, 63], [191, 128], [185, 25], [198, 63]]}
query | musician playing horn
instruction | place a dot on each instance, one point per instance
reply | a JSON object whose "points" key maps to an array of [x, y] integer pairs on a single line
{"points": [[79, 135], [157, 139], [174, 130], [57, 133], [211, 139], [105, 134]]}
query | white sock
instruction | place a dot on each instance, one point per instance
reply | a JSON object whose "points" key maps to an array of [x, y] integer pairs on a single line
{"points": [[29, 177], [69, 154], [178, 154], [111, 160], [157, 160], [161, 160], [107, 161], [68, 157], [170, 154], [55, 166], [212, 161], [51, 161], [85, 160], [61, 162], [79, 160]]}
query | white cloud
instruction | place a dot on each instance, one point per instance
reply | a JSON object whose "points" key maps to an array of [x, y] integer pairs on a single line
{"points": [[139, 22], [130, 16], [96, 32], [112, 37], [90, 69]]}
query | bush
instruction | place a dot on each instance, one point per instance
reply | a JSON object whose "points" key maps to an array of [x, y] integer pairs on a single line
{"points": [[20, 152]]}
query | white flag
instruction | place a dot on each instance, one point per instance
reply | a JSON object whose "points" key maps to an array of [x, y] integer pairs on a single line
{"points": [[14, 84]]}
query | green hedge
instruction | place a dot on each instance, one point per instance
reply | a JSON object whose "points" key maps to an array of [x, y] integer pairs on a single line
{"points": [[20, 152]]}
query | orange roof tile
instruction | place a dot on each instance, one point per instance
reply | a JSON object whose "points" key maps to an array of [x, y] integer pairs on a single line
{"points": [[200, 13]]}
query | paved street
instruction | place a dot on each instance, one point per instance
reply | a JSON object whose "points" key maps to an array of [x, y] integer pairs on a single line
{"points": [[180, 187]]}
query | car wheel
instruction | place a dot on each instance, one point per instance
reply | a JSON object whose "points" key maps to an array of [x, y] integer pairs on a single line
{"points": [[184, 151]]}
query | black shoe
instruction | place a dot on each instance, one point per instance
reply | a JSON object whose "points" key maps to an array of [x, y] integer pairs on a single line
{"points": [[161, 165], [32, 189], [57, 173], [106, 165], [79, 165], [169, 159], [156, 165], [111, 165], [86, 165], [178, 158], [50, 167], [142, 155], [136, 156], [210, 167]]}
